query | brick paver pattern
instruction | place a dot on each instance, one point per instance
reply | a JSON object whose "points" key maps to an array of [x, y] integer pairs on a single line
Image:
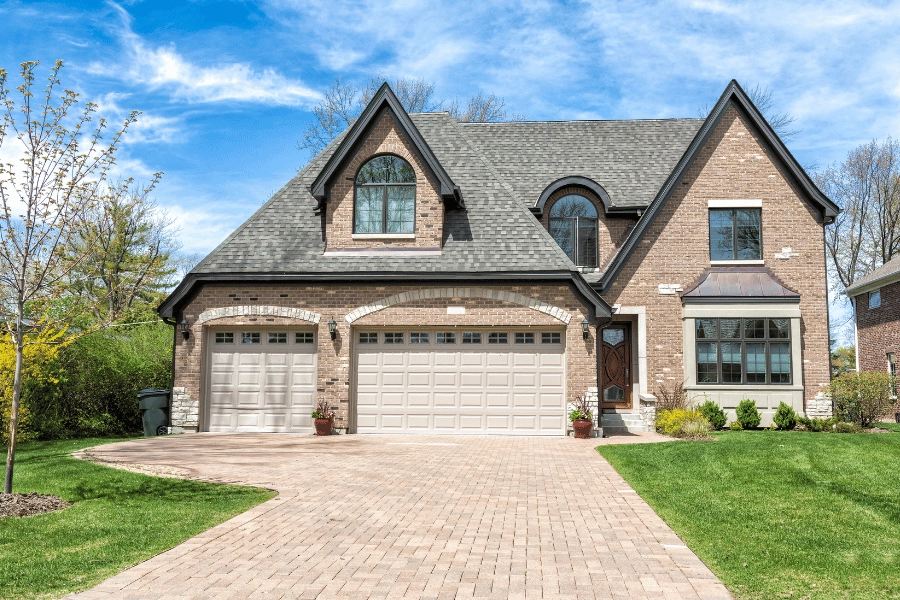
{"points": [[413, 517]]}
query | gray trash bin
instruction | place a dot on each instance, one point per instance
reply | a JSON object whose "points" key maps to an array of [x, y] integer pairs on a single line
{"points": [[154, 405]]}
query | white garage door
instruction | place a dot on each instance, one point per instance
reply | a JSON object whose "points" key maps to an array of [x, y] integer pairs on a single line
{"points": [[261, 380], [461, 382]]}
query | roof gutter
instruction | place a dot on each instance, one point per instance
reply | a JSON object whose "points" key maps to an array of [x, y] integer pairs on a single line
{"points": [[597, 306]]}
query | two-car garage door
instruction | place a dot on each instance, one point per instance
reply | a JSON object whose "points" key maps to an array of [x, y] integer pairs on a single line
{"points": [[460, 382]]}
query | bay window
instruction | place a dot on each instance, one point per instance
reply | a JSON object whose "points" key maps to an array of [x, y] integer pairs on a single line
{"points": [[743, 351]]}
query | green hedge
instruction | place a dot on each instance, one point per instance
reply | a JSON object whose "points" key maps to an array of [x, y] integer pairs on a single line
{"points": [[100, 376]]}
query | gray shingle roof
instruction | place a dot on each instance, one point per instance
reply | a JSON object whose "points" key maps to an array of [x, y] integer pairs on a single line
{"points": [[630, 159], [495, 234], [886, 273]]}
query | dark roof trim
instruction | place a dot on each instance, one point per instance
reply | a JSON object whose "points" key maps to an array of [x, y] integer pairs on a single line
{"points": [[557, 185], [733, 94], [740, 300], [384, 99], [598, 308]]}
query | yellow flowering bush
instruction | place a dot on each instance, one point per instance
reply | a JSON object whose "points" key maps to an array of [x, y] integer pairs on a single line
{"points": [[682, 422]]}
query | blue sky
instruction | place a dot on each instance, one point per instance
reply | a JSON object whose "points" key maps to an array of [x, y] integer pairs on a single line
{"points": [[226, 87]]}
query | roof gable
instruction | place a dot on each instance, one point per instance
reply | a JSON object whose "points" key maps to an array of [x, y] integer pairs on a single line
{"points": [[886, 274], [733, 95], [384, 100]]}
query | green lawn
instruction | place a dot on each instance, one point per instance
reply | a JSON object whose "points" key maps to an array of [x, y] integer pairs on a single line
{"points": [[117, 519], [889, 426], [780, 514]]}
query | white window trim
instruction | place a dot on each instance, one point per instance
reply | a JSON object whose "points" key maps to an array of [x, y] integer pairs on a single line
{"points": [[737, 262], [383, 236], [735, 204]]}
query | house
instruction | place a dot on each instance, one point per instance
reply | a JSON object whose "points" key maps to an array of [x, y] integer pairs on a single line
{"points": [[423, 275], [876, 302]]}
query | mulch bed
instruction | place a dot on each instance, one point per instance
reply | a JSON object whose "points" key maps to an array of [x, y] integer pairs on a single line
{"points": [[25, 505]]}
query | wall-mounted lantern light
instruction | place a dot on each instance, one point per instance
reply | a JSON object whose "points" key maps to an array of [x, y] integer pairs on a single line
{"points": [[332, 328], [585, 329], [185, 328]]}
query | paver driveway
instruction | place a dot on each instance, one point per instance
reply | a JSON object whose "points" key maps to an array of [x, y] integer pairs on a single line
{"points": [[413, 517]]}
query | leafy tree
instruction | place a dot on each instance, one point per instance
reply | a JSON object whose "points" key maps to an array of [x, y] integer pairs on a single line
{"points": [[45, 201], [863, 398], [344, 102], [843, 360], [127, 246]]}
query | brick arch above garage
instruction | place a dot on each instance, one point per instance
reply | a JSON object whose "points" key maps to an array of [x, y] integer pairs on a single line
{"points": [[283, 312], [449, 294]]}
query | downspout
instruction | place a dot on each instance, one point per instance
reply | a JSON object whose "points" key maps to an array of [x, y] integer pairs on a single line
{"points": [[172, 381]]}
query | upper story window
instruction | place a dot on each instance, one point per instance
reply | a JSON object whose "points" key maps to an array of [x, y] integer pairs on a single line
{"points": [[385, 196], [875, 299], [573, 224], [735, 234]]}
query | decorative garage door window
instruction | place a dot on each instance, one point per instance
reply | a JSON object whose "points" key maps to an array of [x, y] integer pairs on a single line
{"points": [[743, 351]]}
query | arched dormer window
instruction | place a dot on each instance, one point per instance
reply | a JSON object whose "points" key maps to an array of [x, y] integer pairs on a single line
{"points": [[573, 224], [385, 196]]}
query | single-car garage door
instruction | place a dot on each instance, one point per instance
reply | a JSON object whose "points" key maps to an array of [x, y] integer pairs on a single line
{"points": [[459, 382], [261, 380]]}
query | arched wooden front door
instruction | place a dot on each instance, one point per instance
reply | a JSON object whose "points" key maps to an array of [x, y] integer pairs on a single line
{"points": [[615, 366]]}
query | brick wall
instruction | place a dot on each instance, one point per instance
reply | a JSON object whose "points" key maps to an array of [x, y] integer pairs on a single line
{"points": [[384, 138], [337, 301], [878, 328], [734, 165], [611, 232]]}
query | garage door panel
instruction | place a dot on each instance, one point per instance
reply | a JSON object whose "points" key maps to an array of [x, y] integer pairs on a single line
{"points": [[261, 387], [457, 388]]}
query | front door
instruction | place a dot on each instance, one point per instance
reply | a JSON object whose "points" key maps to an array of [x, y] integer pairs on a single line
{"points": [[615, 366]]}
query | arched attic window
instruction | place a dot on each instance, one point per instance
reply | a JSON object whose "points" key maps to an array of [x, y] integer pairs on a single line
{"points": [[573, 224], [385, 196]]}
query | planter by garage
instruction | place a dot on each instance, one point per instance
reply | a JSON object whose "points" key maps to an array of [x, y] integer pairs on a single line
{"points": [[324, 426], [582, 428]]}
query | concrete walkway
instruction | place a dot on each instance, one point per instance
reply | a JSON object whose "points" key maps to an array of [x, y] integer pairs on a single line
{"points": [[412, 517]]}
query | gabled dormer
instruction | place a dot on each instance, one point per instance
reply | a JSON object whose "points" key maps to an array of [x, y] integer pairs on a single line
{"points": [[383, 186]]}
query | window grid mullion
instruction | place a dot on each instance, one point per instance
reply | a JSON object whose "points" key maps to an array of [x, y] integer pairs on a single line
{"points": [[384, 209]]}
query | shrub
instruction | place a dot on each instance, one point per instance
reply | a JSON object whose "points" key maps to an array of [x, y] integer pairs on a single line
{"points": [[713, 413], [816, 424], [682, 422], [785, 418], [862, 398], [842, 427], [748, 414], [736, 426], [672, 398]]}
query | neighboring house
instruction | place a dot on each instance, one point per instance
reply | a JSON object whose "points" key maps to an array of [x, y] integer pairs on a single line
{"points": [[876, 301], [423, 275]]}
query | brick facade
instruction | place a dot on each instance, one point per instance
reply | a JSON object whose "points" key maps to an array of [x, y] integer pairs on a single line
{"points": [[878, 329], [384, 138], [337, 301], [733, 165]]}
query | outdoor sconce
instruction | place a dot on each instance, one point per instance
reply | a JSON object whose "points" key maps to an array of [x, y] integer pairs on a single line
{"points": [[332, 328], [185, 328], [585, 329]]}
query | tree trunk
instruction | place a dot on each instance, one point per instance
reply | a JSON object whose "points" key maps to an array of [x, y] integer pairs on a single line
{"points": [[17, 393]]}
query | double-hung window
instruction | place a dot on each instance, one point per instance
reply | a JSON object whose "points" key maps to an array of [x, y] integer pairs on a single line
{"points": [[743, 351], [385, 197], [735, 234]]}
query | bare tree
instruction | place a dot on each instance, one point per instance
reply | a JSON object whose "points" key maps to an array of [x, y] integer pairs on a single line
{"points": [[131, 244], [344, 102], [867, 232], [762, 98], [44, 202]]}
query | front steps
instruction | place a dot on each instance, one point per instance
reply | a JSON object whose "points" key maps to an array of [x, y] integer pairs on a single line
{"points": [[620, 423]]}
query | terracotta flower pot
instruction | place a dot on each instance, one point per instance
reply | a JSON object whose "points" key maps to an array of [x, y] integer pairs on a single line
{"points": [[582, 428], [324, 426]]}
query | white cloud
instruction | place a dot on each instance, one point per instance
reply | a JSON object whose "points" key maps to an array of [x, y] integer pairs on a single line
{"points": [[165, 69], [200, 229]]}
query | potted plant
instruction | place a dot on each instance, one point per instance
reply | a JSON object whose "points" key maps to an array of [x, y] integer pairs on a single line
{"points": [[582, 418], [324, 418]]}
